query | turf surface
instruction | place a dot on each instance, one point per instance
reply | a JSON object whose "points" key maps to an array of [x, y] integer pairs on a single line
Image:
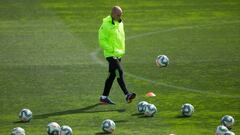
{"points": [[50, 62]]}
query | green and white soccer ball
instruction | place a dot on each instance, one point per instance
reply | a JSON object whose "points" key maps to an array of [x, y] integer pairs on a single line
{"points": [[221, 130], [53, 128], [25, 115], [66, 130], [162, 61], [229, 133], [141, 107], [18, 131], [227, 121], [150, 110], [187, 110], [108, 126]]}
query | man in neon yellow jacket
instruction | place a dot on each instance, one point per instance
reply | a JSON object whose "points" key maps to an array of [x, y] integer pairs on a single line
{"points": [[112, 41]]}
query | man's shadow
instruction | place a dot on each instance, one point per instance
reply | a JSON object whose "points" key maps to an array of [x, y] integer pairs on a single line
{"points": [[86, 109]]}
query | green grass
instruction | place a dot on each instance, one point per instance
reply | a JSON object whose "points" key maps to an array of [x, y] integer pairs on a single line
{"points": [[51, 64]]}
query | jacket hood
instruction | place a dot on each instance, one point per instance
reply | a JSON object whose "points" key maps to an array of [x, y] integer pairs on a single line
{"points": [[107, 19]]}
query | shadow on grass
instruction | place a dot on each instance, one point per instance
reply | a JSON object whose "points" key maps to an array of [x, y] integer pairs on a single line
{"points": [[141, 115], [120, 121], [16, 122], [102, 133], [75, 111], [181, 117], [146, 117], [137, 114]]}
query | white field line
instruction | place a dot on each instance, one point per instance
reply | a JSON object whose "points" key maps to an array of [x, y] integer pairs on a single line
{"points": [[102, 63], [177, 28]]}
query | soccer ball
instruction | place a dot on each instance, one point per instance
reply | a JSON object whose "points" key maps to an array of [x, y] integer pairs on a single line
{"points": [[108, 126], [25, 115], [227, 121], [66, 130], [18, 131], [187, 110], [150, 110], [142, 106], [221, 130], [53, 128], [229, 133], [162, 61]]}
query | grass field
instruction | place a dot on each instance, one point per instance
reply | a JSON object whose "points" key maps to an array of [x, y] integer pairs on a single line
{"points": [[50, 62]]}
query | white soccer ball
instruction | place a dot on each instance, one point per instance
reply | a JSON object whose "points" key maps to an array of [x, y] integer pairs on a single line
{"points": [[18, 131], [229, 133], [142, 106], [25, 115], [187, 109], [221, 130], [150, 110], [227, 121], [53, 128], [108, 126], [66, 130], [162, 61]]}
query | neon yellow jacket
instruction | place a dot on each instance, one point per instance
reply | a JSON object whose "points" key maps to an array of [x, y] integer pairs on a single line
{"points": [[112, 38]]}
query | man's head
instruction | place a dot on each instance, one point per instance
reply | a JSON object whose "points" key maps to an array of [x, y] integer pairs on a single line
{"points": [[116, 13]]}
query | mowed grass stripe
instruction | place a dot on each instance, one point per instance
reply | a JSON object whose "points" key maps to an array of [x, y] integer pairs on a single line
{"points": [[45, 40], [65, 91]]}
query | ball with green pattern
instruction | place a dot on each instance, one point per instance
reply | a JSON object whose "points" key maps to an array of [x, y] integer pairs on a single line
{"points": [[142, 106], [18, 131], [227, 121], [108, 126], [187, 110], [221, 130], [150, 110], [53, 128], [162, 61], [66, 130], [25, 115]]}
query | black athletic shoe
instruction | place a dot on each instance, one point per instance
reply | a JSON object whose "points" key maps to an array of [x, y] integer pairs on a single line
{"points": [[130, 97], [106, 101]]}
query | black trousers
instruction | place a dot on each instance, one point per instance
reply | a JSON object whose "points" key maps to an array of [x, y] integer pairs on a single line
{"points": [[115, 70]]}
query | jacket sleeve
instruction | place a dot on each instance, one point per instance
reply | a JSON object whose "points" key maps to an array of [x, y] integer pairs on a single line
{"points": [[103, 37]]}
